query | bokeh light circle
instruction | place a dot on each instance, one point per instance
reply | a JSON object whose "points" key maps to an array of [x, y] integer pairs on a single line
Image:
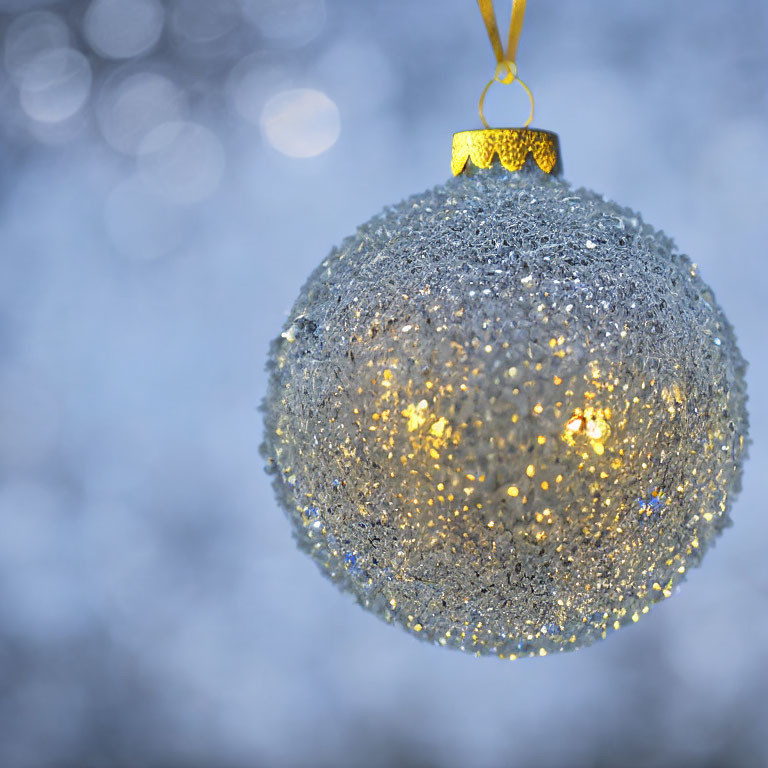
{"points": [[252, 82], [181, 162], [30, 35], [301, 122], [198, 22], [55, 85], [121, 29], [129, 110]]}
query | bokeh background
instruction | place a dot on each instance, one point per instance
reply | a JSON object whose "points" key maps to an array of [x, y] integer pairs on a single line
{"points": [[169, 174]]}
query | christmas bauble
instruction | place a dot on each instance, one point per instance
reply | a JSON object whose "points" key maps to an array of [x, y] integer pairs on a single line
{"points": [[506, 413]]}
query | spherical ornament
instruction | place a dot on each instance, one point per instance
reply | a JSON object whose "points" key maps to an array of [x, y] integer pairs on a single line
{"points": [[506, 414]]}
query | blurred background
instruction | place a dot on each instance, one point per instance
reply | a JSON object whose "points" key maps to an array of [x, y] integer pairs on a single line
{"points": [[170, 172]]}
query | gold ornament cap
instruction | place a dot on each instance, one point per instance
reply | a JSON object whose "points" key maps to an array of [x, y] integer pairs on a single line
{"points": [[512, 145]]}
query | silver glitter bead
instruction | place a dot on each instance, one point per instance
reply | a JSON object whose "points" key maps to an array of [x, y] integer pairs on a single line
{"points": [[507, 415]]}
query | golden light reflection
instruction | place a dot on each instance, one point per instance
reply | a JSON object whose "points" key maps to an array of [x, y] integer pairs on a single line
{"points": [[591, 423]]}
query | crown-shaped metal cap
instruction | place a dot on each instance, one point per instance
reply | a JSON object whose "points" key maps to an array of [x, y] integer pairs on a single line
{"points": [[512, 145]]}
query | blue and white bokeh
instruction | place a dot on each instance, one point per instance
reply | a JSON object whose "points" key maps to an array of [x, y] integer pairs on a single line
{"points": [[170, 172]]}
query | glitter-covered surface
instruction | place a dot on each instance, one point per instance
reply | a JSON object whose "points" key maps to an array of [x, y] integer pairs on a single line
{"points": [[507, 415]]}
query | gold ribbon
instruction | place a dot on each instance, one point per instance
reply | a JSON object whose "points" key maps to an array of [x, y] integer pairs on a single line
{"points": [[506, 66]]}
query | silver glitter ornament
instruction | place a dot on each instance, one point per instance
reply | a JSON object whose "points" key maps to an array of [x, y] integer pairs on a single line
{"points": [[506, 413]]}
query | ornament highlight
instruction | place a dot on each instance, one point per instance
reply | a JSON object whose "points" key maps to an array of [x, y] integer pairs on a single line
{"points": [[506, 413]]}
